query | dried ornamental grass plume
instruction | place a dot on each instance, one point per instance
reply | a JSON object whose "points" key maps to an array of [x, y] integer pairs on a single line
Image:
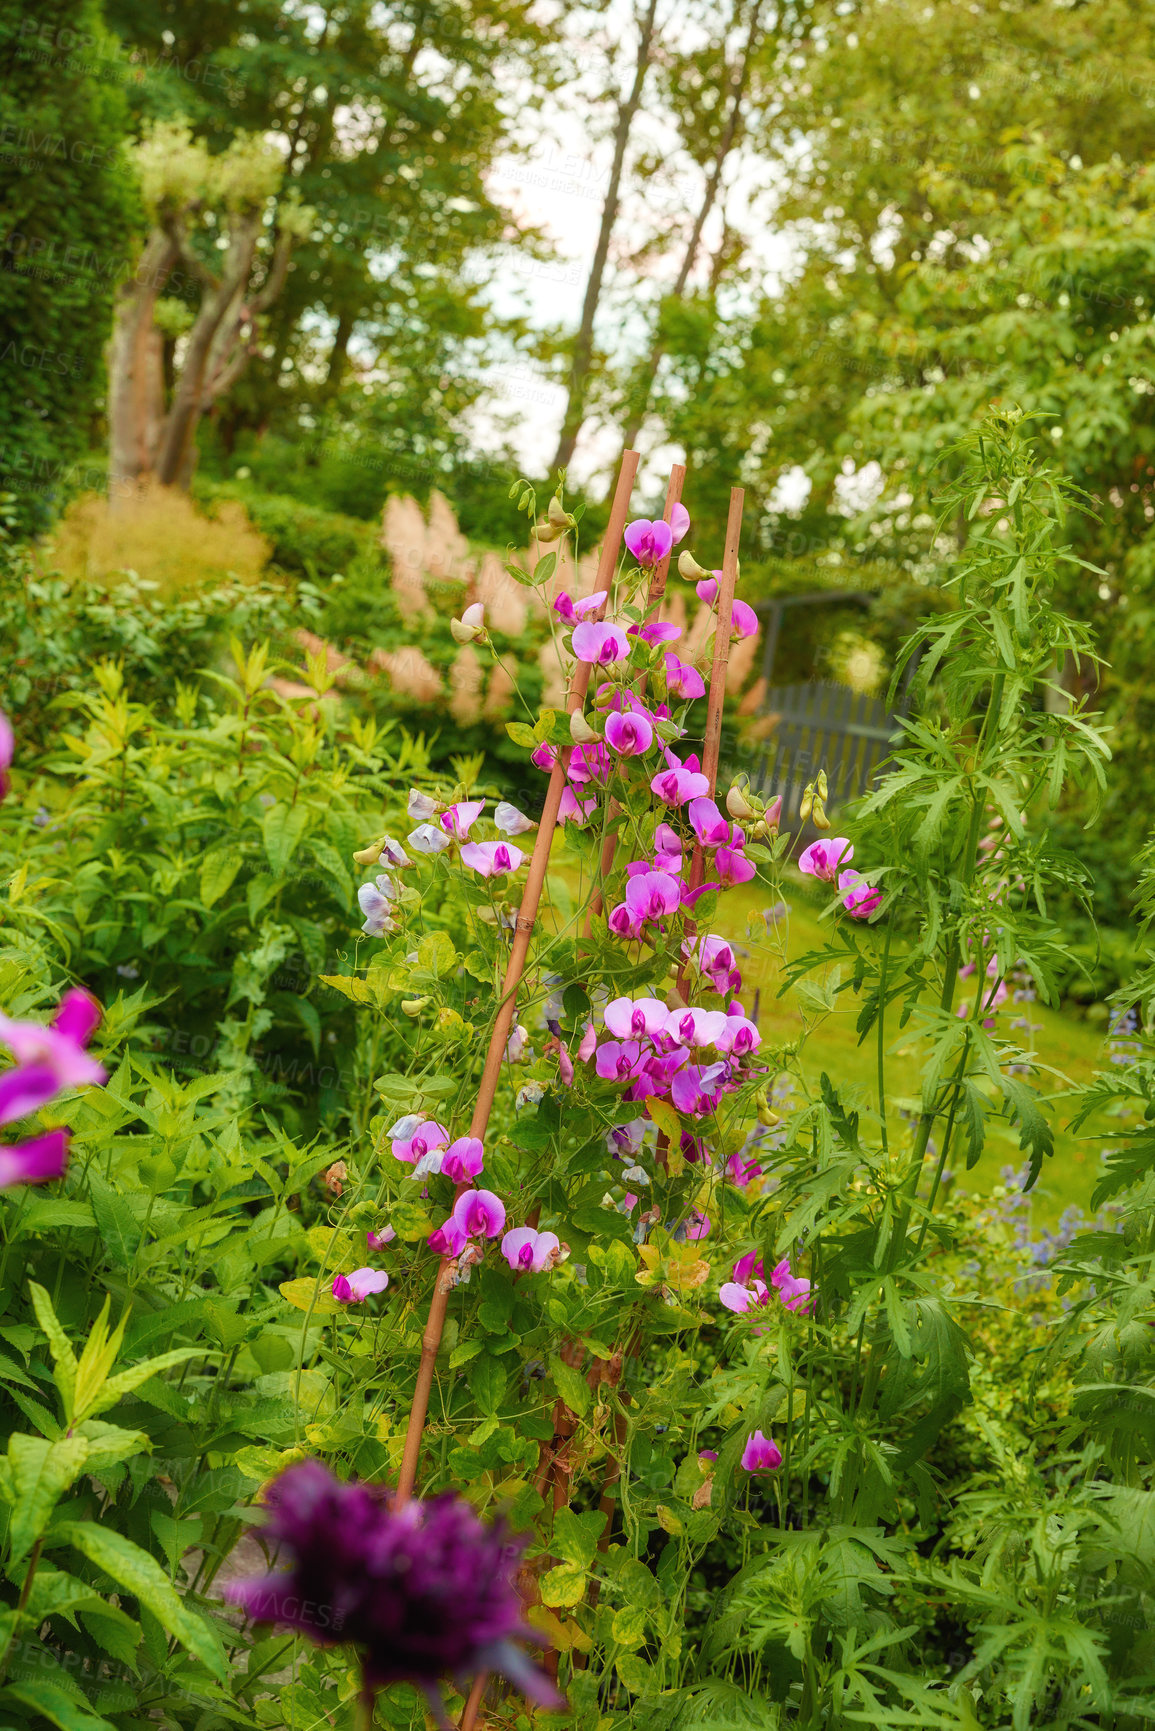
{"points": [[422, 1592]]}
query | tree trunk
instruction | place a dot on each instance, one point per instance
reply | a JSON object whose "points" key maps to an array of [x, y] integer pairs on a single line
{"points": [[584, 342], [136, 369], [644, 377], [176, 454]]}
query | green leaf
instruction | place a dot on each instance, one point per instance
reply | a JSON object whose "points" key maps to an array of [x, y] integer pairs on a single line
{"points": [[127, 1381], [487, 1380], [51, 1213], [564, 1585], [521, 734], [629, 1626], [575, 1537], [41, 1473], [571, 1385], [634, 1672], [544, 569], [56, 1705], [281, 830], [142, 1576], [115, 1220], [59, 1343], [218, 869]]}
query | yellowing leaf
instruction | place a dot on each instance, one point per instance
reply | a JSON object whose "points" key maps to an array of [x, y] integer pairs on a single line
{"points": [[665, 1118], [564, 1585], [562, 1635], [306, 1294], [629, 1626]]}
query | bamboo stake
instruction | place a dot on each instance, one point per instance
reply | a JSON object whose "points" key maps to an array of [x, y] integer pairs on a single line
{"points": [[712, 742], [523, 930]]}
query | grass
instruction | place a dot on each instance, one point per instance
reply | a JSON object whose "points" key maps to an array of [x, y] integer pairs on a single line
{"points": [[1072, 1047]]}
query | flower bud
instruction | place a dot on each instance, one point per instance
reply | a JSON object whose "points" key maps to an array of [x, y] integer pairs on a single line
{"points": [[739, 806], [823, 789], [559, 516], [689, 568], [414, 1006], [580, 730], [367, 856], [807, 802], [819, 818], [772, 816], [548, 532]]}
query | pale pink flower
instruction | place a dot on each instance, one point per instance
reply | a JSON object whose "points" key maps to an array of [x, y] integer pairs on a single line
{"points": [[823, 858], [680, 782], [571, 611], [682, 680], [378, 1239], [528, 1251], [510, 821], [479, 1213], [425, 1136], [464, 1158], [457, 820], [36, 1161], [707, 822], [738, 1035], [731, 867], [653, 896], [491, 858], [657, 631], [635, 1018], [630, 735], [741, 1298], [49, 1058], [354, 1288], [600, 645], [793, 1290], [421, 808], [589, 1044], [649, 542], [695, 1027], [575, 810], [667, 849], [448, 1239]]}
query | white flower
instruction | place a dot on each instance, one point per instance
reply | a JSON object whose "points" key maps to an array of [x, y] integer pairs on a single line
{"points": [[517, 1046], [421, 807], [404, 1127], [377, 908], [428, 838], [510, 821], [393, 852], [428, 1163]]}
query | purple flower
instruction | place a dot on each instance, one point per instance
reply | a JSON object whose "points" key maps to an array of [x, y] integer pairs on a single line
{"points": [[635, 1018], [36, 1161], [457, 820], [517, 1046], [463, 1159], [510, 821], [738, 1035], [575, 810], [353, 1288], [743, 620], [698, 1225], [625, 1139], [588, 1045], [793, 1290], [479, 1213], [617, 1060], [653, 896], [649, 542], [707, 1454], [528, 1251], [823, 858], [760, 1454], [750, 1264], [600, 645], [630, 735], [421, 1592], [695, 1027], [741, 1298], [375, 903], [707, 589], [696, 1090], [682, 680], [859, 898], [413, 1138], [588, 763], [667, 849], [448, 1239], [544, 756], [491, 858], [571, 610], [731, 867], [707, 822], [657, 631], [7, 747], [715, 958], [49, 1059], [680, 781]]}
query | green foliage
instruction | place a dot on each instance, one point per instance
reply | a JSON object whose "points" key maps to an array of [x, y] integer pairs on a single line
{"points": [[67, 211]]}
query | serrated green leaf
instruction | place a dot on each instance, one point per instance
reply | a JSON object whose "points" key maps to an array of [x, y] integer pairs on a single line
{"points": [[142, 1576], [218, 870], [55, 1705], [41, 1473]]}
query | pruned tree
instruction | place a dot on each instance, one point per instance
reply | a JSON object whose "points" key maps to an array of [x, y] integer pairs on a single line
{"points": [[233, 204]]}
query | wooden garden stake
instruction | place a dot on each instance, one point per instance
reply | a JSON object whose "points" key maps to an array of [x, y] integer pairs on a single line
{"points": [[523, 930]]}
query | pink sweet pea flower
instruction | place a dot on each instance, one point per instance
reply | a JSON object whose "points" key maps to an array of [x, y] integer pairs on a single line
{"points": [[600, 645], [381, 1237], [571, 611], [589, 1044], [544, 756], [649, 542], [707, 589], [491, 859], [618, 1060], [731, 867], [743, 620], [707, 822], [653, 896], [575, 810], [694, 1027], [35, 1161], [740, 1172], [696, 1090], [707, 1454], [635, 1018], [421, 808], [517, 1046], [743, 1298], [859, 898], [761, 1455], [464, 1158], [7, 747], [667, 849], [682, 680], [698, 1225], [793, 1290], [657, 631], [715, 958], [823, 858], [49, 1059], [564, 1066], [738, 1035], [629, 735], [354, 1288], [750, 1264], [589, 763], [680, 781], [449, 1239], [457, 820], [418, 1138], [428, 838], [528, 1251], [510, 821], [479, 1213]]}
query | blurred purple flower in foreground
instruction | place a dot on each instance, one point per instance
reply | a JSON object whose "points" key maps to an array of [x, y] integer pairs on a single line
{"points": [[422, 1592]]}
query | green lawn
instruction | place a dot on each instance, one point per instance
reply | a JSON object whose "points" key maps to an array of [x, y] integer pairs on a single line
{"points": [[1075, 1048]]}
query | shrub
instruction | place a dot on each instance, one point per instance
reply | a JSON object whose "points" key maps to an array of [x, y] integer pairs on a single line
{"points": [[158, 535]]}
